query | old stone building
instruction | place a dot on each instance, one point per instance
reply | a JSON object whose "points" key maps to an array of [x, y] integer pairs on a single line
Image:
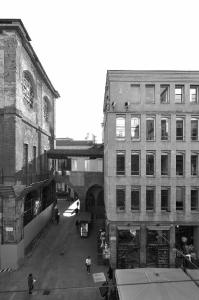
{"points": [[151, 147], [27, 126]]}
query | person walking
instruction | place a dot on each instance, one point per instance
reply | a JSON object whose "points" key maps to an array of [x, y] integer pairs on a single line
{"points": [[88, 264], [57, 216], [31, 282]]}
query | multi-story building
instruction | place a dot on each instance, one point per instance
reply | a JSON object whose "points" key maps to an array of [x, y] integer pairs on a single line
{"points": [[151, 148], [27, 126]]}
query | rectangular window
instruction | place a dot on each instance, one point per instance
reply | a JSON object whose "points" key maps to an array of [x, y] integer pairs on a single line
{"points": [[135, 127], [120, 163], [194, 129], [135, 92], [164, 164], [150, 129], [150, 198], [164, 93], [120, 127], [34, 159], [150, 94], [150, 164], [193, 93], [165, 193], [135, 198], [179, 94], [180, 192], [135, 163], [179, 129], [194, 199], [194, 164], [120, 198], [164, 129], [25, 162], [180, 164]]}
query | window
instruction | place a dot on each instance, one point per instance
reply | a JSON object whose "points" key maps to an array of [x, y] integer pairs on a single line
{"points": [[165, 193], [194, 164], [180, 198], [34, 159], [150, 197], [179, 129], [179, 94], [27, 89], [135, 163], [194, 129], [150, 129], [120, 163], [164, 164], [120, 198], [164, 93], [193, 93], [120, 127], [135, 198], [150, 94], [46, 108], [135, 92], [164, 129], [180, 164], [150, 164], [135, 128], [194, 199]]}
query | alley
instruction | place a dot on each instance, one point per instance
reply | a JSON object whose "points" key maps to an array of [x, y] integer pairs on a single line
{"points": [[58, 263]]}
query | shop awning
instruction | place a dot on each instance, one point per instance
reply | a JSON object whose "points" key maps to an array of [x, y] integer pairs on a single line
{"points": [[155, 283], [158, 227]]}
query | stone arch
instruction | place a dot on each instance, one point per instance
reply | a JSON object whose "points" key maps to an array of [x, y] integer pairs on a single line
{"points": [[95, 201]]}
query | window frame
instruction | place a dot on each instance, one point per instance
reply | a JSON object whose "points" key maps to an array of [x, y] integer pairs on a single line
{"points": [[177, 87], [194, 154], [149, 86], [120, 188], [150, 153], [120, 128], [150, 188], [135, 207], [183, 129], [138, 118], [195, 119], [167, 93], [196, 87], [120, 153], [183, 167], [167, 127], [28, 90], [137, 86], [167, 207], [182, 188], [154, 131], [168, 160], [194, 207], [135, 153]]}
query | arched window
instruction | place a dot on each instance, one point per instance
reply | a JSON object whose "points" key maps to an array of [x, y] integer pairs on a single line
{"points": [[27, 89], [46, 108]]}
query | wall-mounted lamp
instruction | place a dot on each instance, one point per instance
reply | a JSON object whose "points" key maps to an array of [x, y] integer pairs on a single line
{"points": [[113, 105], [126, 105]]}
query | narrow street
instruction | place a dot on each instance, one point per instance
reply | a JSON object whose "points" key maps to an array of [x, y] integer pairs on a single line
{"points": [[58, 264]]}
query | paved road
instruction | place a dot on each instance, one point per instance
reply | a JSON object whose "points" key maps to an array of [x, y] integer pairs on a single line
{"points": [[58, 264]]}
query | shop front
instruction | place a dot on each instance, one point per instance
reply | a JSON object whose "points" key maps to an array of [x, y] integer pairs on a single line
{"points": [[128, 248], [157, 248]]}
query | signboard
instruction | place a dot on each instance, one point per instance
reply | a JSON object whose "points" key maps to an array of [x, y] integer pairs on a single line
{"points": [[99, 277], [163, 257], [9, 229]]}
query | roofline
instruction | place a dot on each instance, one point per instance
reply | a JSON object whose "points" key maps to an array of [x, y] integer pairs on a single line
{"points": [[17, 24]]}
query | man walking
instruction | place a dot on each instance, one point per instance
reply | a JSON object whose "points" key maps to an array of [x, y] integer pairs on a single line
{"points": [[88, 264], [31, 281]]}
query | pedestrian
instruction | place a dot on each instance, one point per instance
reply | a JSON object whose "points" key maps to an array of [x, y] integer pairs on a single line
{"points": [[110, 273], [88, 264], [31, 282], [57, 216]]}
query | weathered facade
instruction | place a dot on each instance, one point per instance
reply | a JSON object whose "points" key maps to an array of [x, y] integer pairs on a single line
{"points": [[27, 126], [151, 143]]}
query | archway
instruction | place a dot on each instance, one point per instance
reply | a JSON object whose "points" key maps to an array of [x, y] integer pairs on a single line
{"points": [[95, 201]]}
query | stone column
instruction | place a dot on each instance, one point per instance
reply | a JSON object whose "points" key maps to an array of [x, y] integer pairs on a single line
{"points": [[113, 245], [143, 237], [172, 253]]}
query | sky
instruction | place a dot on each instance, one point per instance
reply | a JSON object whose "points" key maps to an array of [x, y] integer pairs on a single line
{"points": [[77, 41]]}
